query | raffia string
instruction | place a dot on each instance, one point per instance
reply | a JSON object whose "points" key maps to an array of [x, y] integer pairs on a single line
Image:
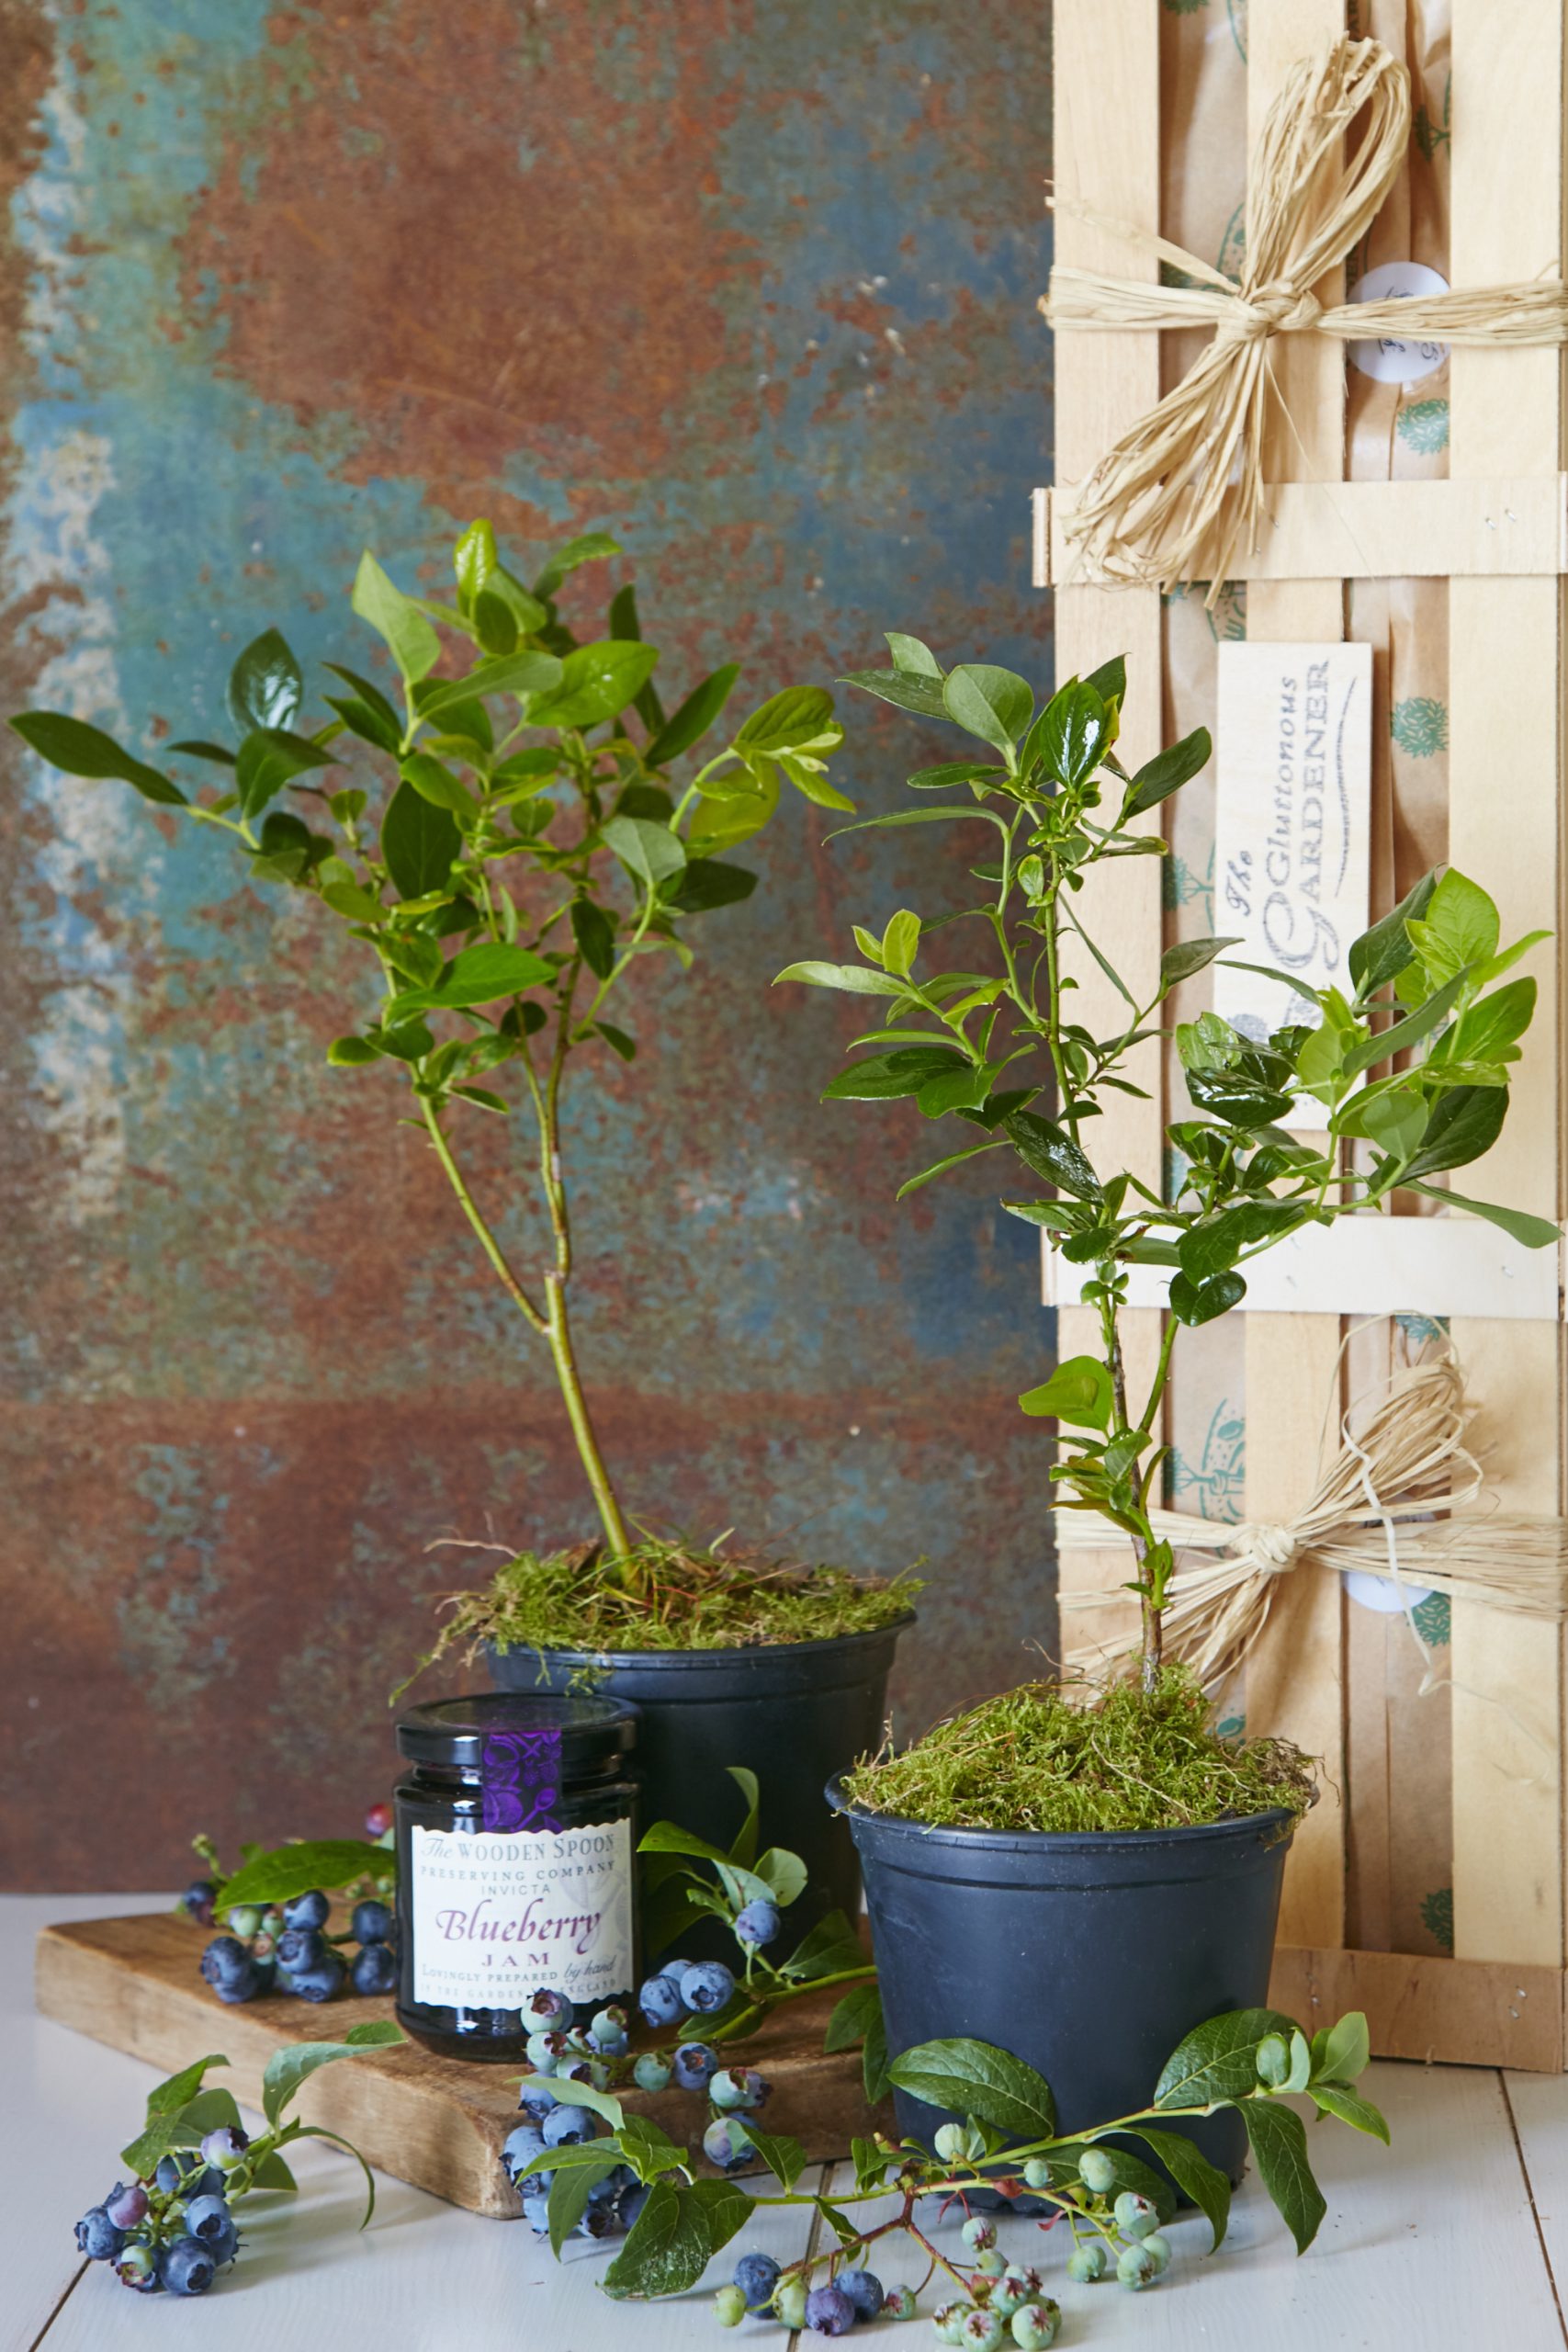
{"points": [[1373, 1508], [1159, 508]]}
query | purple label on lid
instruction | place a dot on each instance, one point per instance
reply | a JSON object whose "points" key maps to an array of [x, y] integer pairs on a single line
{"points": [[520, 1778]]}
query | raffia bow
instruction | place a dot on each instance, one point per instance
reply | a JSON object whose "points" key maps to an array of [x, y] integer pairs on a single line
{"points": [[1158, 509], [1390, 1504]]}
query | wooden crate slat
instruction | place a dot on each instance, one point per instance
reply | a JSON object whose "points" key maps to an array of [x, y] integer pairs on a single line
{"points": [[1505, 828], [1295, 1677], [1463, 2012]]}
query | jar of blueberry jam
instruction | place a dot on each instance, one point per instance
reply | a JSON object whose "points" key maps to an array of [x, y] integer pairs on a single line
{"points": [[515, 1864]]}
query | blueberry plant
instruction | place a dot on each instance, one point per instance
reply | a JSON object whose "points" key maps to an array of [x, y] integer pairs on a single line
{"points": [[275, 1912], [1409, 1056], [174, 2225], [1002, 2142], [517, 845]]}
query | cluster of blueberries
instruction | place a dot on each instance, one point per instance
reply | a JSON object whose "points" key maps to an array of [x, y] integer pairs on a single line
{"points": [[287, 1951], [841, 2302], [175, 2232]]}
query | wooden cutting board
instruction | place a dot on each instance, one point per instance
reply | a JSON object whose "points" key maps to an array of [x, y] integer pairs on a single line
{"points": [[436, 2122]]}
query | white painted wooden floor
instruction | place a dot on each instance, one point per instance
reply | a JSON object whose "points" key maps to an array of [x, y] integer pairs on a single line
{"points": [[1448, 2241]]}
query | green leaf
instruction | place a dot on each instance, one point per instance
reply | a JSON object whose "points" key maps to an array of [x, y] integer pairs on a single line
{"points": [[569, 2192], [941, 1166], [413, 644], [646, 2147], [589, 546], [1342, 2051], [167, 2097], [783, 1874], [1073, 733], [953, 772], [526, 673], [574, 2094], [474, 558], [1189, 955], [692, 719], [288, 1871], [905, 689], [1218, 2060], [831, 1946], [1052, 1153], [1350, 2106], [596, 937], [900, 941], [1193, 1303], [1280, 2148], [77, 749], [320, 2131], [852, 2018], [1464, 918], [1167, 772], [1535, 1232], [268, 760], [743, 1848], [370, 694], [265, 684], [484, 973], [1490, 1027], [1384, 951], [217, 753], [956, 1090], [785, 2157], [273, 2173], [800, 718], [617, 1039], [884, 1077], [1214, 1245], [286, 2069], [348, 900], [1109, 681], [849, 977], [1195, 2176], [874, 2059], [996, 705], [676, 2236], [435, 782], [668, 1837], [732, 813], [1239, 1100], [419, 844], [706, 884], [910, 655], [211, 2110], [1464, 1124], [650, 852], [1078, 1392], [597, 682], [973, 2078], [1408, 1032]]}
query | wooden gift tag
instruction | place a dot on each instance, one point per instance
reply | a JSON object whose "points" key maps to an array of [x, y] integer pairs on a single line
{"points": [[1293, 779]]}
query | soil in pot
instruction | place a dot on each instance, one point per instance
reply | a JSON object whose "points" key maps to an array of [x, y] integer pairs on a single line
{"points": [[1040, 1875], [730, 1662]]}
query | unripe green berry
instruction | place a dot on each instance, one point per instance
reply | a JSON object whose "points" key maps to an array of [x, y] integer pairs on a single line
{"points": [[1097, 2170], [1136, 2216], [1136, 2267], [729, 2306], [1014, 2290], [1273, 2059], [980, 2231], [983, 2331], [1089, 2262], [950, 2141], [1037, 2173], [245, 1921], [1158, 2251], [990, 2262], [1035, 2324], [947, 2319], [900, 2303], [789, 2303]]}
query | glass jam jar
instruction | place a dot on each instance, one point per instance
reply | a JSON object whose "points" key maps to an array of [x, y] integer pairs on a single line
{"points": [[516, 1869]]}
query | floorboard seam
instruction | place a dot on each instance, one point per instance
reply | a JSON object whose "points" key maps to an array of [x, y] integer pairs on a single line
{"points": [[1530, 2192], [61, 2300]]}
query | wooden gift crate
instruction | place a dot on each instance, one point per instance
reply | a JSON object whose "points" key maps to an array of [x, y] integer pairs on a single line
{"points": [[437, 2122], [1495, 532]]}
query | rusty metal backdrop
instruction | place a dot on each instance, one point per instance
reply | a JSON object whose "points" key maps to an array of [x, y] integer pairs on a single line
{"points": [[753, 285]]}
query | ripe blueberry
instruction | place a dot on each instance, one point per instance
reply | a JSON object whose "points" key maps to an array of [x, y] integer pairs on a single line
{"points": [[758, 1923], [374, 1969], [695, 2066], [660, 2001], [187, 2267], [377, 1820], [225, 1961], [97, 2237], [372, 1922], [307, 1910], [125, 2206], [196, 1901], [757, 2275], [536, 2211], [323, 1981], [707, 1986], [536, 2098], [565, 2126], [298, 1948], [829, 2311], [521, 2147], [208, 2219], [864, 2289]]}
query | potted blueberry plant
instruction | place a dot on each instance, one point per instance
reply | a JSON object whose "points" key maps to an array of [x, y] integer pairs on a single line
{"points": [[1112, 1833], [506, 830]]}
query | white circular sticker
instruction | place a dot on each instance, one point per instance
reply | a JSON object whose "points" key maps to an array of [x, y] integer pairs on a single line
{"points": [[1390, 360], [1383, 1593]]}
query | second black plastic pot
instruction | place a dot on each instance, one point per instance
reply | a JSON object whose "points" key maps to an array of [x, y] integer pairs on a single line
{"points": [[1089, 1956], [795, 1713]]}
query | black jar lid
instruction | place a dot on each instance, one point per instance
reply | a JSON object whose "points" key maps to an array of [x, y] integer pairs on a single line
{"points": [[452, 1732]]}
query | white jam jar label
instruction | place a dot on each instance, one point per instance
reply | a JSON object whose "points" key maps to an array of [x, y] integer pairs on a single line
{"points": [[496, 1915]]}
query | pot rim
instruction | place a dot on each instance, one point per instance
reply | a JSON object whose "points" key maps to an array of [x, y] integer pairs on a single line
{"points": [[654, 1659], [1016, 1841]]}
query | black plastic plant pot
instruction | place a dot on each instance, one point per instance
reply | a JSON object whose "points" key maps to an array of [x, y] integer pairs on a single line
{"points": [[1089, 1956], [794, 1713]]}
